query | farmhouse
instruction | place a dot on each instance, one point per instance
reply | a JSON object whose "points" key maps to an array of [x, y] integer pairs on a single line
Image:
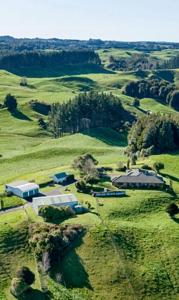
{"points": [[60, 177], [22, 189], [56, 200], [138, 178]]}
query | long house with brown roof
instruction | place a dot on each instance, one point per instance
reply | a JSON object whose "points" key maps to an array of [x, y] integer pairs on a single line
{"points": [[138, 179]]}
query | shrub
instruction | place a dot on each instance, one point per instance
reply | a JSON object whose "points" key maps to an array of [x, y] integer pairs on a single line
{"points": [[25, 274], [18, 286], [146, 167], [81, 186], [108, 169], [55, 214], [91, 179], [157, 166], [71, 177], [121, 167], [172, 209]]}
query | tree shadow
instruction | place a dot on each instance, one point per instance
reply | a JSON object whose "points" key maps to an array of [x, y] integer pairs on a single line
{"points": [[114, 139], [72, 269], [59, 71], [175, 219], [171, 177], [19, 115], [33, 294], [142, 110]]}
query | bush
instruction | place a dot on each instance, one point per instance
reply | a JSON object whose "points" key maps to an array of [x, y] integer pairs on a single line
{"points": [[121, 167], [25, 274], [108, 169], [172, 209], [55, 214], [91, 179], [157, 166], [81, 186], [18, 286], [146, 167], [71, 177]]}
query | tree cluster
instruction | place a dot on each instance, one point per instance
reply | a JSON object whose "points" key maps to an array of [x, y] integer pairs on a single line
{"points": [[133, 62], [154, 134], [46, 59], [87, 110], [55, 214], [49, 242], [161, 90], [86, 165]]}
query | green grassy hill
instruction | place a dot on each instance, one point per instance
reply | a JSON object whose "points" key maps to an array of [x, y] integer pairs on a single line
{"points": [[130, 250]]}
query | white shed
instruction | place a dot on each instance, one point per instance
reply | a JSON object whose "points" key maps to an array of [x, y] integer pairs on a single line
{"points": [[55, 200], [60, 177], [22, 189]]}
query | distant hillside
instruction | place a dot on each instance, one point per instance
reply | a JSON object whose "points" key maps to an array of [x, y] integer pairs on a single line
{"points": [[10, 43]]}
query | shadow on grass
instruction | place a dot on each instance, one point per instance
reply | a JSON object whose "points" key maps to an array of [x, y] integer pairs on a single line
{"points": [[107, 136], [72, 268], [33, 294], [19, 115], [171, 177], [35, 72], [175, 219], [142, 110]]}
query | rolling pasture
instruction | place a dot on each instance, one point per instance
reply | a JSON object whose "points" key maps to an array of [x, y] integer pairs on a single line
{"points": [[130, 250]]}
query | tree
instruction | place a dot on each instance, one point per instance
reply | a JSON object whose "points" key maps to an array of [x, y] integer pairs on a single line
{"points": [[10, 102], [86, 111], [81, 186], [23, 81], [85, 164], [128, 164], [25, 274], [136, 102], [121, 167], [18, 287], [133, 158], [174, 100], [55, 214], [157, 166], [92, 179], [42, 123], [22, 281], [53, 124], [172, 209]]}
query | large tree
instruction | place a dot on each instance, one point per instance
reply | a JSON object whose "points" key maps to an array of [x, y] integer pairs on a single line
{"points": [[10, 102]]}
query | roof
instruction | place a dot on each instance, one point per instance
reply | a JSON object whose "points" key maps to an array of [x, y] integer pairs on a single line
{"points": [[24, 186], [60, 175], [55, 200], [138, 176]]}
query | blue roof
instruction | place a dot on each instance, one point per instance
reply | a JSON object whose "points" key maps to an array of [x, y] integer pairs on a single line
{"points": [[60, 175]]}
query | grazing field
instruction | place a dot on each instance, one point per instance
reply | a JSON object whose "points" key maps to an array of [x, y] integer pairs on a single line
{"points": [[130, 250]]}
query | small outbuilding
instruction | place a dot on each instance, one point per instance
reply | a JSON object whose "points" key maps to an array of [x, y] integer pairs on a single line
{"points": [[138, 179], [55, 200], [60, 177], [22, 189]]}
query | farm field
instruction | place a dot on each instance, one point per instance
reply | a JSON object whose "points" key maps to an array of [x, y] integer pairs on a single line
{"points": [[130, 250]]}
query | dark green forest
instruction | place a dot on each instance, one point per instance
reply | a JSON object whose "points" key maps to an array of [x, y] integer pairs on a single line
{"points": [[155, 134], [161, 90], [46, 59], [85, 111]]}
